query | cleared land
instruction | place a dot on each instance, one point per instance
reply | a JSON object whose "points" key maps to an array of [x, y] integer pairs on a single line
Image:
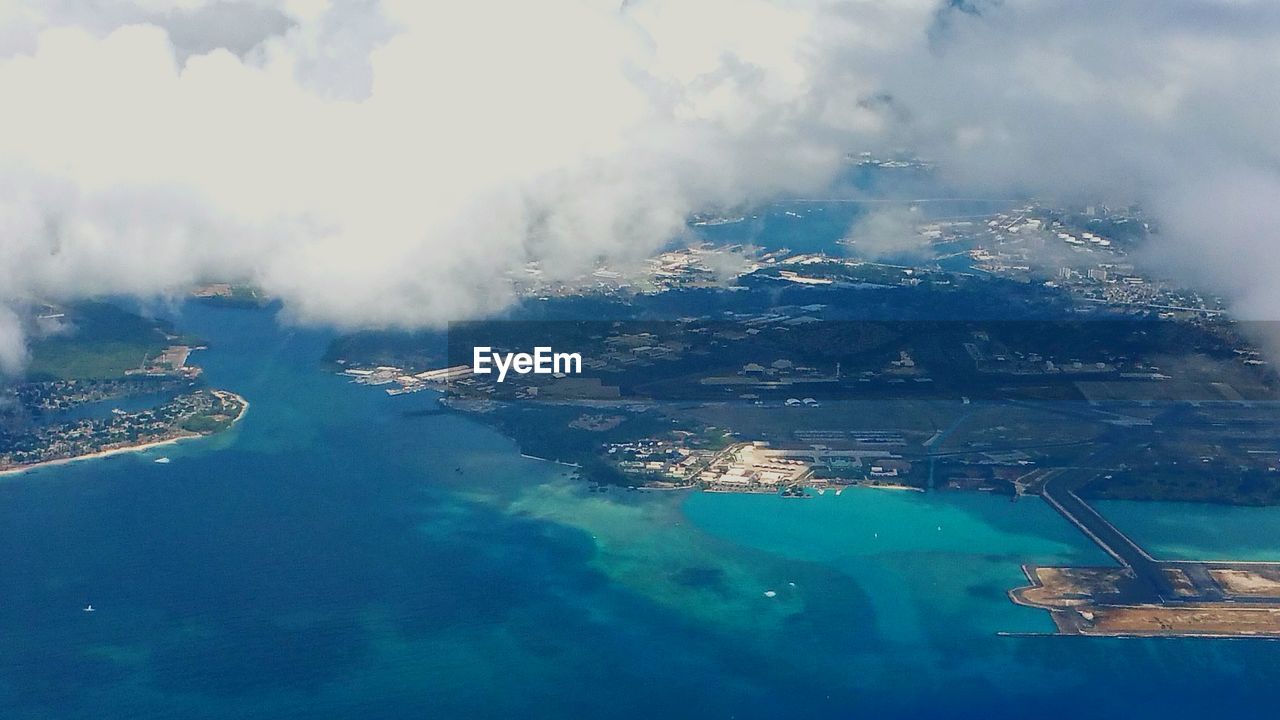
{"points": [[1256, 583], [1097, 601], [1181, 584], [1215, 621], [97, 341], [1064, 587]]}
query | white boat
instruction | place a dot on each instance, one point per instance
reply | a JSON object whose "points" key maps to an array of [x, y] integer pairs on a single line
{"points": [[162, 460], [88, 608]]}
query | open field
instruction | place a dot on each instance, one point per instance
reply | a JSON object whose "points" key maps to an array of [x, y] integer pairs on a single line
{"points": [[911, 416], [1063, 587], [1264, 582], [1178, 580], [1078, 600], [1193, 620], [99, 341], [1005, 425]]}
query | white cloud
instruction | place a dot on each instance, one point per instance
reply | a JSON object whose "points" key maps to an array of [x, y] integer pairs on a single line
{"points": [[889, 232], [482, 134], [13, 352], [382, 163]]}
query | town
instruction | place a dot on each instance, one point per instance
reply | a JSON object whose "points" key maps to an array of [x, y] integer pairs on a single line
{"points": [[121, 383], [758, 396]]}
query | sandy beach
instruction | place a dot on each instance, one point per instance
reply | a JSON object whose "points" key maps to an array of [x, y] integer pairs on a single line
{"points": [[129, 449]]}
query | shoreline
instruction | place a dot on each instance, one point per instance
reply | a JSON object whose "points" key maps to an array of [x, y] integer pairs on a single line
{"points": [[129, 449], [562, 463]]}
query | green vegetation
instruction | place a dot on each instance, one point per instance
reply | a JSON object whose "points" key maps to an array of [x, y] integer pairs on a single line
{"points": [[416, 350], [1213, 485], [206, 425], [543, 431], [104, 341]]}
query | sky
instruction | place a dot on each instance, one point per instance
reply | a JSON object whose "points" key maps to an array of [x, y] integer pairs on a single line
{"points": [[383, 163]]}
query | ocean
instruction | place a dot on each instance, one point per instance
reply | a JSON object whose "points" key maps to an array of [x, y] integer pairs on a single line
{"points": [[333, 557]]}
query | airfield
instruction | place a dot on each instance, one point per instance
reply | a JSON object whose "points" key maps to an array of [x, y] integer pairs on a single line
{"points": [[1144, 596]]}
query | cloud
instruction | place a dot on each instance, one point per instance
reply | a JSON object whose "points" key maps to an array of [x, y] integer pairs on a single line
{"points": [[384, 163], [1170, 104], [888, 232], [13, 355], [195, 26], [478, 136]]}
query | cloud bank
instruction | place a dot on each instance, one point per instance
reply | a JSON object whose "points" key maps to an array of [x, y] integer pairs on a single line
{"points": [[383, 163]]}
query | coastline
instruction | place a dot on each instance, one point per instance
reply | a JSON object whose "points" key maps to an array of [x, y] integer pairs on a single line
{"points": [[131, 448], [546, 460]]}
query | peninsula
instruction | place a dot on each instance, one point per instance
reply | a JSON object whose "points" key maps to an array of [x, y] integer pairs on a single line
{"points": [[84, 398]]}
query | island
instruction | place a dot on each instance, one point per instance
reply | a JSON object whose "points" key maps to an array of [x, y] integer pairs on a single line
{"points": [[112, 382], [1027, 355], [920, 376]]}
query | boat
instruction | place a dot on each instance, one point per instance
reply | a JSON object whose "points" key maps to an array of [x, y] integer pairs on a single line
{"points": [[88, 608], [162, 460]]}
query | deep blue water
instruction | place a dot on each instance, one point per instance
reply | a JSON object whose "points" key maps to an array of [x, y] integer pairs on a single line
{"points": [[333, 558]]}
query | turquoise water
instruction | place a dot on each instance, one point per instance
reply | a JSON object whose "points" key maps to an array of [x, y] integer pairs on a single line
{"points": [[332, 558], [1194, 531]]}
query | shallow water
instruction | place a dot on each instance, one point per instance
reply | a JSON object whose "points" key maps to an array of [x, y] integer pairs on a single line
{"points": [[327, 559], [1197, 531]]}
